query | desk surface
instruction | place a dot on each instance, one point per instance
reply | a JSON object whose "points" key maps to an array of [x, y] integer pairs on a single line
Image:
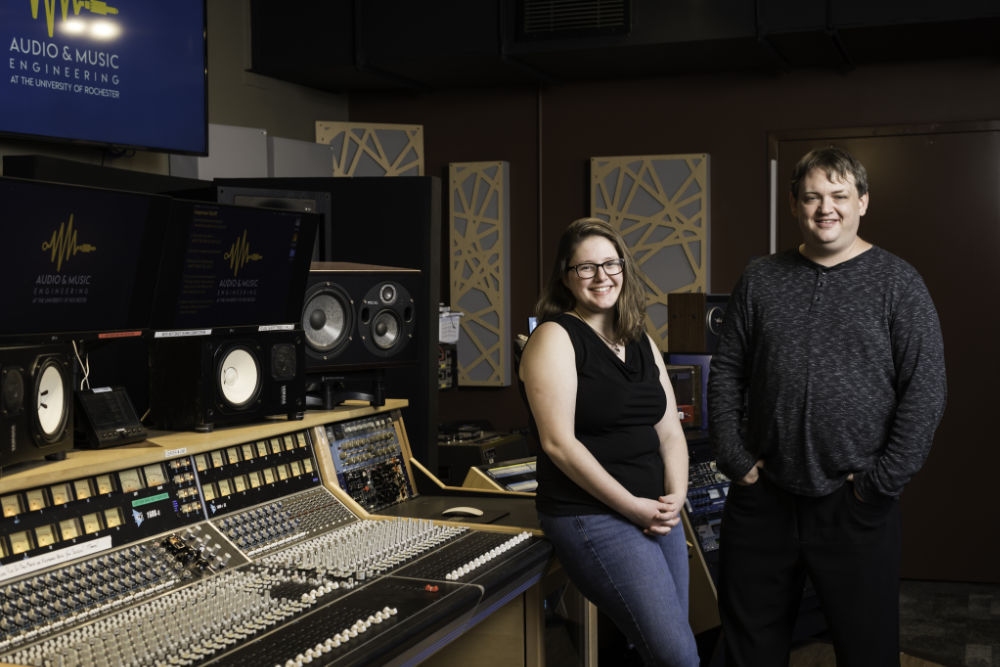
{"points": [[497, 511]]}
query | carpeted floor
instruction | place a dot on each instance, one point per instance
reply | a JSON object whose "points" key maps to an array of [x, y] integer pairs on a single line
{"points": [[942, 624], [954, 624]]}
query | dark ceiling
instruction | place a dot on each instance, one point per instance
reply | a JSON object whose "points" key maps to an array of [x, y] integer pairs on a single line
{"points": [[349, 46]]}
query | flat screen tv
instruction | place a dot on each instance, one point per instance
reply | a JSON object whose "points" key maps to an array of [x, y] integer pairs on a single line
{"points": [[77, 261], [111, 73], [232, 266]]}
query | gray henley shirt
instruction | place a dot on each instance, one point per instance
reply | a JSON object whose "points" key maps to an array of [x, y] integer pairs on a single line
{"points": [[836, 370]]}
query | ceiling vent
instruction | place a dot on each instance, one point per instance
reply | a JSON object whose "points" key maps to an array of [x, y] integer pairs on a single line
{"points": [[549, 19]]}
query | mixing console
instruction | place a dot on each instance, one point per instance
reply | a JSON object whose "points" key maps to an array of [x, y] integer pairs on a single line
{"points": [[269, 567], [707, 491], [368, 459]]}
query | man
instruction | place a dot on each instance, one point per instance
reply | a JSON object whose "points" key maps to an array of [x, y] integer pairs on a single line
{"points": [[824, 393]]}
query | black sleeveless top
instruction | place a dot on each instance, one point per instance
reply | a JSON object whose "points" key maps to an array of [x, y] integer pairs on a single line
{"points": [[617, 406]]}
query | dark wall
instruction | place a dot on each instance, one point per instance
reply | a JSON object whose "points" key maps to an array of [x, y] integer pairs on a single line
{"points": [[549, 136], [728, 117]]}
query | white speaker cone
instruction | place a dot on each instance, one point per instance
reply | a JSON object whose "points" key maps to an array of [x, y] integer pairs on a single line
{"points": [[50, 400], [239, 377]]}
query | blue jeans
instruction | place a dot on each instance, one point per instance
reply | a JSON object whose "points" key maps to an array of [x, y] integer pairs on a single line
{"points": [[639, 581]]}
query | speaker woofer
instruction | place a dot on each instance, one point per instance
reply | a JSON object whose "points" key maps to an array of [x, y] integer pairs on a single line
{"points": [[327, 320], [386, 330], [238, 376], [51, 400]]}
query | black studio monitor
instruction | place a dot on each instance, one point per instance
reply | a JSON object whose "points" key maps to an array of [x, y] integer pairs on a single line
{"points": [[362, 325], [36, 402], [358, 316], [233, 376]]}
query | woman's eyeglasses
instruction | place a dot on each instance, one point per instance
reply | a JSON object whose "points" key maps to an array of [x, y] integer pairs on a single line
{"points": [[612, 267]]}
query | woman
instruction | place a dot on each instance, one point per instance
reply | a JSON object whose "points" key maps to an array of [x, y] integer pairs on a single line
{"points": [[613, 468]]}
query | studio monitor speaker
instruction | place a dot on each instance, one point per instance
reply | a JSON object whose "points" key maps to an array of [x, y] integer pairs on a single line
{"points": [[229, 377], [36, 402], [694, 321], [359, 316]]}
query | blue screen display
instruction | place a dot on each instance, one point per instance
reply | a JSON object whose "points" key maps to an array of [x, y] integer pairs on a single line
{"points": [[115, 72]]}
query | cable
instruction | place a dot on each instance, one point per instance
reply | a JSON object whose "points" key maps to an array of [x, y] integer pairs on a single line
{"points": [[84, 367]]}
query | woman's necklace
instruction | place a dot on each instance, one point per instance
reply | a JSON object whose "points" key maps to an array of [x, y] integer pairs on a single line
{"points": [[615, 347]]}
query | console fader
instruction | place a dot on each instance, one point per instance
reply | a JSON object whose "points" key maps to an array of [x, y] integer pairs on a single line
{"points": [[271, 569]]}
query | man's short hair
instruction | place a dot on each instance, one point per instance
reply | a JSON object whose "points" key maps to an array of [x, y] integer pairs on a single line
{"points": [[836, 163]]}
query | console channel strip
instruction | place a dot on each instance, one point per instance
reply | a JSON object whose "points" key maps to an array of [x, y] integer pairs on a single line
{"points": [[368, 459]]}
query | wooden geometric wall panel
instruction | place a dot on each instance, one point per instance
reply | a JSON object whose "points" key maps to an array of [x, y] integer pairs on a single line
{"points": [[373, 149], [480, 270], [660, 204]]}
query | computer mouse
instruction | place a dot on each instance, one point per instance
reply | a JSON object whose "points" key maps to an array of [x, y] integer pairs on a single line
{"points": [[462, 511]]}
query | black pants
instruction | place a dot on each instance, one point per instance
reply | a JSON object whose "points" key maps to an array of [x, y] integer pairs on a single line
{"points": [[770, 541]]}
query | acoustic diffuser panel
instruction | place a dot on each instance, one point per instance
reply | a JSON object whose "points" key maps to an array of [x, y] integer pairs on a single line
{"points": [[479, 223], [660, 204], [373, 149]]}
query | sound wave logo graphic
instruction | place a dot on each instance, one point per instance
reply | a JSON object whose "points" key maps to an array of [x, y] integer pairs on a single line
{"points": [[63, 244], [93, 6], [239, 254]]}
